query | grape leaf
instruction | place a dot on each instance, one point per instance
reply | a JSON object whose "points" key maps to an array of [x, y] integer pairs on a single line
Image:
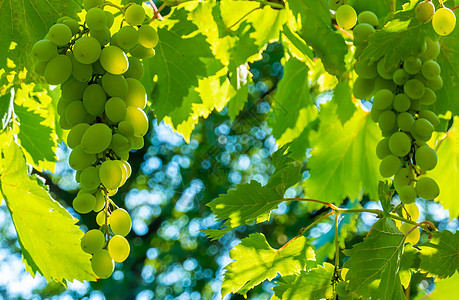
{"points": [[397, 39], [378, 257], [178, 62], [342, 95], [315, 19], [49, 238], [35, 137], [256, 261], [313, 284], [25, 22], [444, 173], [343, 158], [6, 110], [440, 256], [380, 8]]}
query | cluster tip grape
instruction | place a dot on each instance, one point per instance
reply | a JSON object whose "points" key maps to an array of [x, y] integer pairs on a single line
{"points": [[102, 104]]}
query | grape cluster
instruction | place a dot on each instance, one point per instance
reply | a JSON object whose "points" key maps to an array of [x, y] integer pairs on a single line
{"points": [[102, 104], [443, 20], [399, 99]]}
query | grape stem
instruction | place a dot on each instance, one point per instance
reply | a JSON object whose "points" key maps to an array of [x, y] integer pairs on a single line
{"points": [[337, 213], [393, 6], [107, 3], [345, 32], [454, 8], [156, 11], [243, 17]]}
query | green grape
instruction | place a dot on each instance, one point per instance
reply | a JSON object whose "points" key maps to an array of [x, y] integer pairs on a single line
{"points": [[64, 124], [75, 113], [114, 60], [420, 50], [346, 17], [103, 35], [44, 50], [365, 70], [383, 99], [120, 143], [141, 52], [426, 158], [58, 69], [135, 69], [400, 144], [62, 105], [75, 134], [110, 174], [403, 177], [78, 159], [389, 165], [401, 103], [100, 219], [115, 109], [414, 88], [382, 149], [93, 241], [375, 113], [119, 249], [429, 97], [115, 85], [435, 84], [138, 142], [124, 171], [120, 222], [102, 264], [137, 96], [81, 72], [362, 32], [96, 138], [424, 11], [72, 24], [387, 121], [427, 188], [148, 37], [363, 88], [98, 69], [86, 50], [432, 50], [88, 4], [113, 40], [94, 99], [413, 237], [407, 194], [72, 89], [100, 201], [96, 19], [430, 116], [138, 119], [423, 128], [368, 17], [444, 21], [128, 168], [126, 129], [110, 18], [89, 178], [400, 77], [135, 15], [382, 71], [431, 69], [410, 211], [122, 154], [127, 37], [412, 65], [40, 67], [84, 203], [59, 34]]}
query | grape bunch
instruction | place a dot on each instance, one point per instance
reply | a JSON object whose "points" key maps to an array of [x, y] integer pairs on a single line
{"points": [[400, 100], [443, 20], [102, 104]]}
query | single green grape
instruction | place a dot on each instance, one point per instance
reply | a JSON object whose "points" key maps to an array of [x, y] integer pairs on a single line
{"points": [[387, 121], [141, 52], [432, 50], [59, 34], [93, 241], [100, 218], [400, 144], [138, 119], [114, 60], [444, 21], [414, 88], [102, 264], [72, 24], [75, 113], [138, 142], [79, 159], [75, 135], [115, 109], [426, 158], [96, 19], [427, 188], [44, 50], [401, 103], [424, 11], [404, 176], [103, 36], [120, 222], [346, 17], [110, 174], [429, 97], [435, 84], [127, 37], [407, 194], [89, 178], [430, 116], [88, 4], [368, 17], [115, 85], [120, 143], [363, 88], [382, 149], [126, 128], [84, 203], [430, 69], [362, 32], [383, 99], [119, 249], [135, 69], [400, 77], [96, 138], [100, 201], [80, 72], [136, 96], [148, 36], [58, 69], [94, 99], [86, 50], [423, 128], [412, 65], [135, 15], [389, 165]]}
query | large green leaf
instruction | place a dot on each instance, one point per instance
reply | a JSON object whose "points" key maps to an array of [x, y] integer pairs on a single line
{"points": [[342, 95], [25, 22], [35, 137], [256, 261], [440, 256], [178, 62], [446, 172], [378, 257], [49, 238], [343, 158], [308, 285], [6, 110], [444, 289], [314, 19]]}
